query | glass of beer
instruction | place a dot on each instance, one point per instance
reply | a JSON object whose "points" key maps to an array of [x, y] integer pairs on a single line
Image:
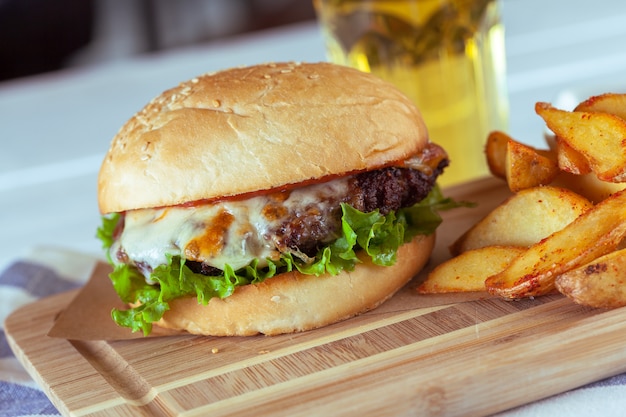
{"points": [[448, 56]]}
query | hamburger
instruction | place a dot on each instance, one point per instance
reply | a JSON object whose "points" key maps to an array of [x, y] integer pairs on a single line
{"points": [[268, 199]]}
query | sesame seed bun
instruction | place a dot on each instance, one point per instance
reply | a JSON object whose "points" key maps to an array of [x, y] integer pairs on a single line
{"points": [[232, 132]]}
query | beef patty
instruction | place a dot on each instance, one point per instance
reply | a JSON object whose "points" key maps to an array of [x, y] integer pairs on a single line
{"points": [[309, 227]]}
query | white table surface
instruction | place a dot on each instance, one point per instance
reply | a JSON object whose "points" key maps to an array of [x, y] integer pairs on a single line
{"points": [[55, 128]]}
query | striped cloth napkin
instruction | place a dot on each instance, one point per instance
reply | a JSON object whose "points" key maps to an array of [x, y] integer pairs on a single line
{"points": [[49, 271]]}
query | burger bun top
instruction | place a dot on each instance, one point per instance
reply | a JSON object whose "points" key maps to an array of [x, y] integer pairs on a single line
{"points": [[256, 128]]}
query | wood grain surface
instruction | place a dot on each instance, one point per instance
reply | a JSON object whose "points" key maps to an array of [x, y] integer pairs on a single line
{"points": [[408, 357]]}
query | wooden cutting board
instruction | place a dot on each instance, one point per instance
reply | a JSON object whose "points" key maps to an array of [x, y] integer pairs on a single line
{"points": [[407, 357]]}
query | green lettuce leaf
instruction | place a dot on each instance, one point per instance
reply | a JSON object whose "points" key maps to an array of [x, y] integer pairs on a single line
{"points": [[379, 236], [106, 231]]}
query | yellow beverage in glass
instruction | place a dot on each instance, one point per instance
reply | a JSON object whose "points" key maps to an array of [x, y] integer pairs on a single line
{"points": [[446, 55]]}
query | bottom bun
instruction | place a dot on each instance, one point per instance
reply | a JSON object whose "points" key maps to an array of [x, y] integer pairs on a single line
{"points": [[293, 302]]}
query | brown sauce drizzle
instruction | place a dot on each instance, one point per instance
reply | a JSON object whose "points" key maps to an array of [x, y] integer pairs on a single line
{"points": [[213, 239]]}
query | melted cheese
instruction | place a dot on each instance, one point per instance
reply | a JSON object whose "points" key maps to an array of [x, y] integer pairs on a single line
{"points": [[227, 232]]}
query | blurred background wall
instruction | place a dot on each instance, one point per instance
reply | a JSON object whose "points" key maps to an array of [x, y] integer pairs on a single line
{"points": [[38, 36]]}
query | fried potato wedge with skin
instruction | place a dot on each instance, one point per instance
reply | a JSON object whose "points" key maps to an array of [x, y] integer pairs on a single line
{"points": [[611, 103], [588, 185], [527, 167], [468, 271], [600, 137], [569, 159], [524, 219], [596, 232], [600, 283], [495, 152]]}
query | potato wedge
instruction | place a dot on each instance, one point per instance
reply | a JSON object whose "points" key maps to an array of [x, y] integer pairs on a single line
{"points": [[524, 219], [600, 137], [611, 103], [588, 185], [596, 232], [468, 272], [527, 167], [569, 159], [600, 283], [495, 152]]}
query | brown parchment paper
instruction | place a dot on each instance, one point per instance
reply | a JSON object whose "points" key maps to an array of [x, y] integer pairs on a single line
{"points": [[88, 316]]}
